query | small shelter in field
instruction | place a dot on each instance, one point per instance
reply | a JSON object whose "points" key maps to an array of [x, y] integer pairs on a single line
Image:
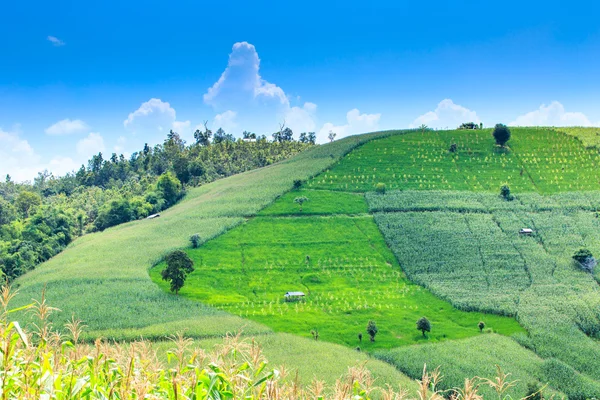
{"points": [[293, 296], [526, 231], [153, 216]]}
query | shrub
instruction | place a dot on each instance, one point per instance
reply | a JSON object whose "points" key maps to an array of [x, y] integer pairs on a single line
{"points": [[424, 325], [372, 330], [505, 193], [481, 326], [380, 188], [195, 240], [179, 265], [501, 134], [298, 183], [585, 259], [300, 201], [453, 148]]}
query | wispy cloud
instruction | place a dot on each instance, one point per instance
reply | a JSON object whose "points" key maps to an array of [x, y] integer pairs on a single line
{"points": [[55, 41]]}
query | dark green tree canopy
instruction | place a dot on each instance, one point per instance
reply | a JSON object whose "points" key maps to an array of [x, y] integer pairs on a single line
{"points": [[424, 325], [372, 330], [179, 265], [501, 134]]}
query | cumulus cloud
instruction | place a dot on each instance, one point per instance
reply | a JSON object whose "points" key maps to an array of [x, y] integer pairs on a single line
{"points": [[67, 127], [355, 123], [55, 41], [446, 115], [225, 120], [21, 162], [154, 116], [241, 82], [301, 119], [92, 144], [120, 146], [553, 114]]}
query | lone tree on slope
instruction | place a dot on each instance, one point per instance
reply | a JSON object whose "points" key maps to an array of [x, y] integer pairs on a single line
{"points": [[300, 200], [331, 136], [179, 265], [501, 134], [586, 260], [424, 325], [372, 330], [481, 326]]}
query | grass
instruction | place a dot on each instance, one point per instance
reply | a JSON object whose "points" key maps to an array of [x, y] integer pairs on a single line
{"points": [[343, 265], [590, 137], [320, 202], [103, 279], [478, 261], [538, 160]]}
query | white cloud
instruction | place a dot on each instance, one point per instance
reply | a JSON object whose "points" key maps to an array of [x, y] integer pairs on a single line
{"points": [[120, 146], [225, 120], [66, 127], [241, 82], [156, 110], [301, 119], [60, 166], [553, 114], [90, 145], [356, 123], [446, 115], [55, 41]]}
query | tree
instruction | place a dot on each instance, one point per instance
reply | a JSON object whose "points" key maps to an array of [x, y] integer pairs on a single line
{"points": [[501, 134], [179, 266], [221, 137], [453, 148], [203, 137], [380, 188], [116, 212], [170, 188], [585, 259], [300, 200], [423, 325], [372, 330], [360, 337], [331, 136], [468, 125], [27, 203], [481, 326], [195, 240], [7, 212], [505, 193], [298, 183]]}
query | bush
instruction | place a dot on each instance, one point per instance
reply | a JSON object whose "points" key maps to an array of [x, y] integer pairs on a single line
{"points": [[505, 193], [114, 213], [424, 325], [501, 134], [481, 326], [372, 330], [298, 183], [300, 201], [585, 259], [380, 188], [453, 148], [195, 240]]}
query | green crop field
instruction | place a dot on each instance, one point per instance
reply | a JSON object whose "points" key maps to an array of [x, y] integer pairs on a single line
{"points": [[439, 243], [539, 160], [344, 267]]}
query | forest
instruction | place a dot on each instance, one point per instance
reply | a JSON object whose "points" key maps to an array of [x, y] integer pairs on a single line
{"points": [[39, 219]]}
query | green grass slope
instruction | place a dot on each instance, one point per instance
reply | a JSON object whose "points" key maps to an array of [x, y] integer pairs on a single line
{"points": [[478, 261], [539, 160], [102, 278], [343, 265]]}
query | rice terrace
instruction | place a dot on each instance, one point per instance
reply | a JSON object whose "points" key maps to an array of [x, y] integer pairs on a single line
{"points": [[392, 201]]}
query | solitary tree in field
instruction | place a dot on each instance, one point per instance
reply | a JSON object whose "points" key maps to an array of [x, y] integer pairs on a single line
{"points": [[424, 325], [501, 134], [195, 239], [380, 188], [585, 259], [453, 148], [505, 193], [372, 330], [331, 136], [179, 265], [423, 128], [360, 337], [481, 326], [300, 200]]}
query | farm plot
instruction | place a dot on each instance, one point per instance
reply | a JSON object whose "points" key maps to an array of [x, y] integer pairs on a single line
{"points": [[343, 266], [538, 160], [555, 301]]}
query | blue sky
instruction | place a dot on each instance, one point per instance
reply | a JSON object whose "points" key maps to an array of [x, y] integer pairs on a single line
{"points": [[81, 77]]}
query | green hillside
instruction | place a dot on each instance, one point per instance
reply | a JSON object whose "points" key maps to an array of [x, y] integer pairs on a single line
{"points": [[440, 243]]}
